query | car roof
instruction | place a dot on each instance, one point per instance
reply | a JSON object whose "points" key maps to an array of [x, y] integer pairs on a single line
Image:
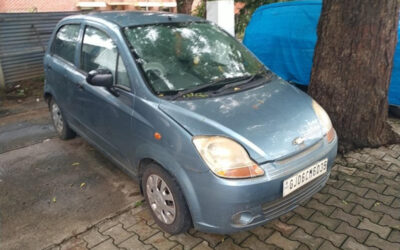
{"points": [[137, 18]]}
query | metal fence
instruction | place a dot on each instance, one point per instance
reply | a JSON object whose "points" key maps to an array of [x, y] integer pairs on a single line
{"points": [[23, 40]]}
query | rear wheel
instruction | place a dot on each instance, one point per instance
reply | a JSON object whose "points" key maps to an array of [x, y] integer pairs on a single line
{"points": [[60, 124], [165, 200]]}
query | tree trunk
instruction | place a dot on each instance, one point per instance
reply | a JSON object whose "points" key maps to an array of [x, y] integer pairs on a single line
{"points": [[352, 67], [184, 6]]}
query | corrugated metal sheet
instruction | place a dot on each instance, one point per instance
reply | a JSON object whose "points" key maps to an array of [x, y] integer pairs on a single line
{"points": [[23, 40]]}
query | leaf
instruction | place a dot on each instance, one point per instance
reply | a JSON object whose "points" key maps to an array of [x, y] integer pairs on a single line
{"points": [[377, 204], [75, 164], [138, 204], [344, 202], [83, 184], [54, 200]]}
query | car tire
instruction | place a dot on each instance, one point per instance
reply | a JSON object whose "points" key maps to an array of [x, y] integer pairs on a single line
{"points": [[60, 124], [164, 196]]}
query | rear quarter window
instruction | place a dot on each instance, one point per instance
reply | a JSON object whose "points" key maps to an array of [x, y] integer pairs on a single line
{"points": [[65, 42]]}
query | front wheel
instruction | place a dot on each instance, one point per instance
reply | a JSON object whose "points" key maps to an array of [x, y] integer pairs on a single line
{"points": [[61, 126], [165, 200]]}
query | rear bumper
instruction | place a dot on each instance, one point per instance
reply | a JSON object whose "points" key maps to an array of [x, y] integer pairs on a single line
{"points": [[227, 206]]}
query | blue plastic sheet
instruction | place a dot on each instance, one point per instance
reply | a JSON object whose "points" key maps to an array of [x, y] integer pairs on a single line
{"points": [[283, 37]]}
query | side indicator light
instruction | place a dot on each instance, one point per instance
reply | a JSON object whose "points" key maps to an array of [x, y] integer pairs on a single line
{"points": [[157, 136]]}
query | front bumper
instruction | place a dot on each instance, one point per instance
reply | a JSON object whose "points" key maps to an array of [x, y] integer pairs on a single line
{"points": [[227, 206]]}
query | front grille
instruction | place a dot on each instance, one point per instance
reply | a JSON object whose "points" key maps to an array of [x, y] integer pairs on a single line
{"points": [[276, 208], [283, 167]]}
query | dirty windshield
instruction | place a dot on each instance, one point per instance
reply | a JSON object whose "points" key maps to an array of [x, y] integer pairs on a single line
{"points": [[177, 57]]}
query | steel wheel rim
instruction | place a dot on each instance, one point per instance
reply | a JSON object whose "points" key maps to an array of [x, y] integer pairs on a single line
{"points": [[57, 118], [160, 198]]}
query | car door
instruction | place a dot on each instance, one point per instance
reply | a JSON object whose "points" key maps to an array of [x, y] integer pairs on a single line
{"points": [[60, 66], [105, 115]]}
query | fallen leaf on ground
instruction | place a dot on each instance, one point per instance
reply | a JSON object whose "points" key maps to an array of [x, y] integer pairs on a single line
{"points": [[83, 184], [75, 164], [54, 200]]}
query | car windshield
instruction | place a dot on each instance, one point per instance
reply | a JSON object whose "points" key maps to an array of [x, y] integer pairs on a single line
{"points": [[184, 56]]}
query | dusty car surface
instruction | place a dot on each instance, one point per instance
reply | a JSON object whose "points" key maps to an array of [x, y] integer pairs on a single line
{"points": [[214, 138]]}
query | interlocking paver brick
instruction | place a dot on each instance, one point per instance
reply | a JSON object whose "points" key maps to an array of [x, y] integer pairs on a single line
{"points": [[106, 245], [372, 194], [177, 247], [396, 203], [375, 240], [387, 220], [327, 245], [128, 219], [202, 246], [394, 236], [334, 183], [352, 244], [143, 230], [254, 243], [74, 243], [391, 191], [394, 212], [373, 216], [336, 238], [286, 217], [321, 197], [394, 168], [311, 241], [304, 212], [93, 237], [145, 215], [263, 232], [391, 159], [341, 194], [359, 235], [386, 173], [343, 204], [366, 203], [106, 224], [239, 237], [367, 175], [212, 239], [187, 240], [284, 228], [308, 226], [118, 233], [346, 170], [372, 185], [159, 241], [282, 242], [350, 178], [318, 206], [354, 189], [390, 182], [324, 220], [228, 244], [133, 243], [382, 231], [341, 215]]}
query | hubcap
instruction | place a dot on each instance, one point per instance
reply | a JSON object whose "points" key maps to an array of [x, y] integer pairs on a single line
{"points": [[57, 118], [160, 198]]}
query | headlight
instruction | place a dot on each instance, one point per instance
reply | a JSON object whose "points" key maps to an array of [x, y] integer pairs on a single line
{"points": [[226, 158], [324, 120]]}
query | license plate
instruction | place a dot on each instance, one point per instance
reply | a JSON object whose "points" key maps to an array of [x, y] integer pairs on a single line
{"points": [[304, 176]]}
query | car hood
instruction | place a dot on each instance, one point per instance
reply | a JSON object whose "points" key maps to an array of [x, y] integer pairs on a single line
{"points": [[265, 120]]}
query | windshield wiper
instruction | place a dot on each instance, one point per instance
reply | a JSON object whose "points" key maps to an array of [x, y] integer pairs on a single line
{"points": [[212, 85], [260, 72]]}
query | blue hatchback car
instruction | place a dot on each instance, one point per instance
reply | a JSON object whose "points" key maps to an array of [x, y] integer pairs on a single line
{"points": [[215, 139]]}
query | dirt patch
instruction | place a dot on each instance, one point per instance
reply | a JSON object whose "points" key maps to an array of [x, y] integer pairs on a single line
{"points": [[24, 91]]}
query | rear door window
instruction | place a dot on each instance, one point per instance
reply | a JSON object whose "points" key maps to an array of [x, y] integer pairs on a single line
{"points": [[65, 42]]}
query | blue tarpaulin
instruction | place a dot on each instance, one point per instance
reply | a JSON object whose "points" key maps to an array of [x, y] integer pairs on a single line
{"points": [[283, 37]]}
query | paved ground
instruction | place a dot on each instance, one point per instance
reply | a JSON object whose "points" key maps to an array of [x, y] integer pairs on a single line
{"points": [[43, 205]]}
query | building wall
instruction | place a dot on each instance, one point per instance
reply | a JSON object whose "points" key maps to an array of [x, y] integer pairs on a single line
{"points": [[7, 6]]}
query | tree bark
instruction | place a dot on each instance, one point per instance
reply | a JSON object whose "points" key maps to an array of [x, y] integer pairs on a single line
{"points": [[184, 6], [352, 67]]}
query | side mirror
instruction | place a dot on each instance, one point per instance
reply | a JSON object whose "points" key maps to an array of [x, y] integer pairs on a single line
{"points": [[100, 77]]}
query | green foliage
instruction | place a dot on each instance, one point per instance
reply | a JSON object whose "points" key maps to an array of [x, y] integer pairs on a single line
{"points": [[200, 10], [246, 12]]}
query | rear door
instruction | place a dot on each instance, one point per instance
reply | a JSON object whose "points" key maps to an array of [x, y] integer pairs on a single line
{"points": [[104, 114], [60, 66]]}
